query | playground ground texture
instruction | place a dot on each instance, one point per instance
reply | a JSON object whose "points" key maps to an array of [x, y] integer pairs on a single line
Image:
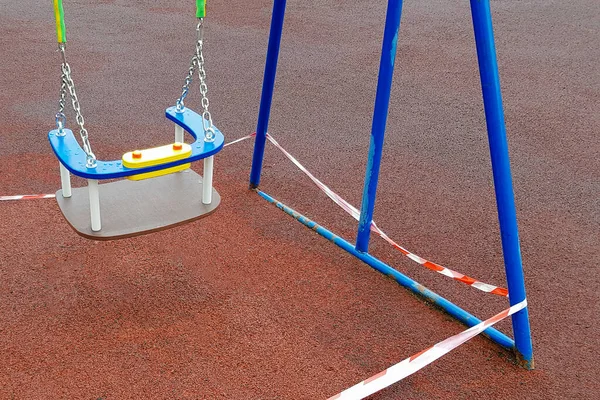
{"points": [[247, 303]]}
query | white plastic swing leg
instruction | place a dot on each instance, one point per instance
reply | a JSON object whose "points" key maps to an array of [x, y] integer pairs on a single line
{"points": [[65, 181], [94, 192], [178, 134], [207, 180]]}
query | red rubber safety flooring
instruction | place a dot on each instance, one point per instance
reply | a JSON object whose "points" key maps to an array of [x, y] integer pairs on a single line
{"points": [[248, 304]]}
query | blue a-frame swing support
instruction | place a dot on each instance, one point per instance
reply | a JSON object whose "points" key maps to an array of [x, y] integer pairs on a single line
{"points": [[494, 114]]}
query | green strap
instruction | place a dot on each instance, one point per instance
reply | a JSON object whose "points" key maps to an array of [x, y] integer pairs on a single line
{"points": [[61, 34], [59, 15], [200, 8]]}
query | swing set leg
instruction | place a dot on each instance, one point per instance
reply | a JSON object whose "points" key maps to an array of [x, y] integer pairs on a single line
{"points": [[94, 192], [178, 134], [207, 180], [209, 163], [65, 181]]}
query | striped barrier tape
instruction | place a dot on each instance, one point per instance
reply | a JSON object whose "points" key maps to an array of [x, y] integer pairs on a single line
{"points": [[420, 360], [355, 213], [27, 197], [51, 196], [239, 140]]}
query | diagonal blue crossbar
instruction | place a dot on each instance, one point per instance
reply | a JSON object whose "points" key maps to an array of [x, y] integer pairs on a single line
{"points": [[71, 155], [415, 287]]}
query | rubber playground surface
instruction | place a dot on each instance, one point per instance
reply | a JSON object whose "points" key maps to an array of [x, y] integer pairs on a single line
{"points": [[249, 304]]}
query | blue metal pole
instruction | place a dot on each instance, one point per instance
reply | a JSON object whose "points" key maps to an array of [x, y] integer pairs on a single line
{"points": [[380, 113], [267, 91], [402, 279], [507, 215]]}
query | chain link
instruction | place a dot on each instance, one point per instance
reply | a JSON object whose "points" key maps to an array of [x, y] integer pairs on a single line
{"points": [[67, 82]]}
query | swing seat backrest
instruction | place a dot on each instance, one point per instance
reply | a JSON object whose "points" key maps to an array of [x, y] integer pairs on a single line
{"points": [[71, 155]]}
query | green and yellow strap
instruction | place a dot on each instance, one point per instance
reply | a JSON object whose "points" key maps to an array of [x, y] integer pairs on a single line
{"points": [[59, 15], [200, 8]]}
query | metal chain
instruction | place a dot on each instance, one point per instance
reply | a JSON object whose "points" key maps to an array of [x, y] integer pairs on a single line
{"points": [[63, 93], [186, 86], [61, 119], [198, 62], [209, 131], [83, 133]]}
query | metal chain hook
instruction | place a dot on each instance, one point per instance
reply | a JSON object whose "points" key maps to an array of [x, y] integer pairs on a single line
{"points": [[61, 121]]}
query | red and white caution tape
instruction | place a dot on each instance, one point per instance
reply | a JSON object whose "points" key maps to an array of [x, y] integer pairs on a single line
{"points": [[239, 140], [420, 360], [27, 197], [484, 287], [355, 213]]}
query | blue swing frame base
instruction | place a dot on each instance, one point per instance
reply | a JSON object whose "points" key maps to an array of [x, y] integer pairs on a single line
{"points": [[70, 154]]}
